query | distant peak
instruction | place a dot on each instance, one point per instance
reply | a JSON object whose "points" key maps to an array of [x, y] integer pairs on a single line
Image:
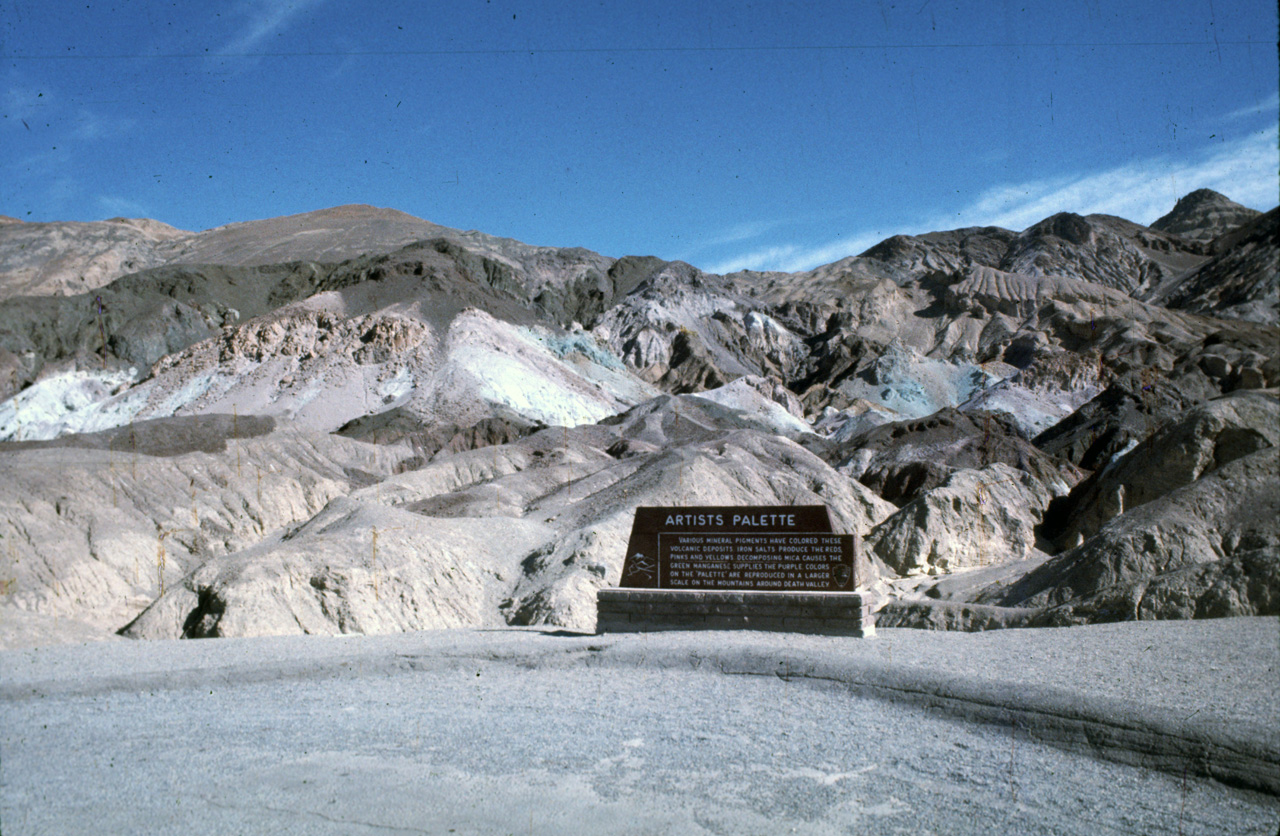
{"points": [[1203, 215], [1204, 196], [350, 213], [1065, 225], [890, 247], [155, 229], [358, 210]]}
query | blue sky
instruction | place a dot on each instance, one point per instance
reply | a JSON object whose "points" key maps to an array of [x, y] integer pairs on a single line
{"points": [[729, 135]]}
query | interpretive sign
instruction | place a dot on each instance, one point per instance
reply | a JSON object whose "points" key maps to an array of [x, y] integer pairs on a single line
{"points": [[768, 548], [821, 562]]}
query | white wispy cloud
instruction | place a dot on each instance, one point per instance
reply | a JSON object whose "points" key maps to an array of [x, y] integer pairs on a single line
{"points": [[92, 125], [24, 102], [1267, 105], [120, 207], [790, 258], [748, 231], [765, 258], [742, 232], [1244, 169], [61, 193], [267, 18]]}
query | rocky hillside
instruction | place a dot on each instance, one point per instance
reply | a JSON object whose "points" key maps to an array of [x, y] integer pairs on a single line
{"points": [[354, 420], [1227, 284], [1203, 216]]}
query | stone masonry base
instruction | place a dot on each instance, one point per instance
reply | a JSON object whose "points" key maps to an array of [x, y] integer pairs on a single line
{"points": [[642, 610]]}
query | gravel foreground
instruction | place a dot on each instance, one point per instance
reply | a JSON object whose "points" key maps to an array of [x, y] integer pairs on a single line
{"points": [[1148, 727]]}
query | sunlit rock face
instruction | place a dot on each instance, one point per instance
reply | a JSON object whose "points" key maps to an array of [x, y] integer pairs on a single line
{"points": [[357, 421]]}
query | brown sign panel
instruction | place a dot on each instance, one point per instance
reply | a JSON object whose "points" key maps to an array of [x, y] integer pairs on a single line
{"points": [[785, 547]]}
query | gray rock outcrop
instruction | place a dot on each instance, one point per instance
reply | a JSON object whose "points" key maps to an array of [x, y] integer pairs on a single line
{"points": [[974, 519], [1207, 549], [1206, 437]]}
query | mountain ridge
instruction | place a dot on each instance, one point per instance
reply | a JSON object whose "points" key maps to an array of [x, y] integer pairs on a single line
{"points": [[947, 394]]}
